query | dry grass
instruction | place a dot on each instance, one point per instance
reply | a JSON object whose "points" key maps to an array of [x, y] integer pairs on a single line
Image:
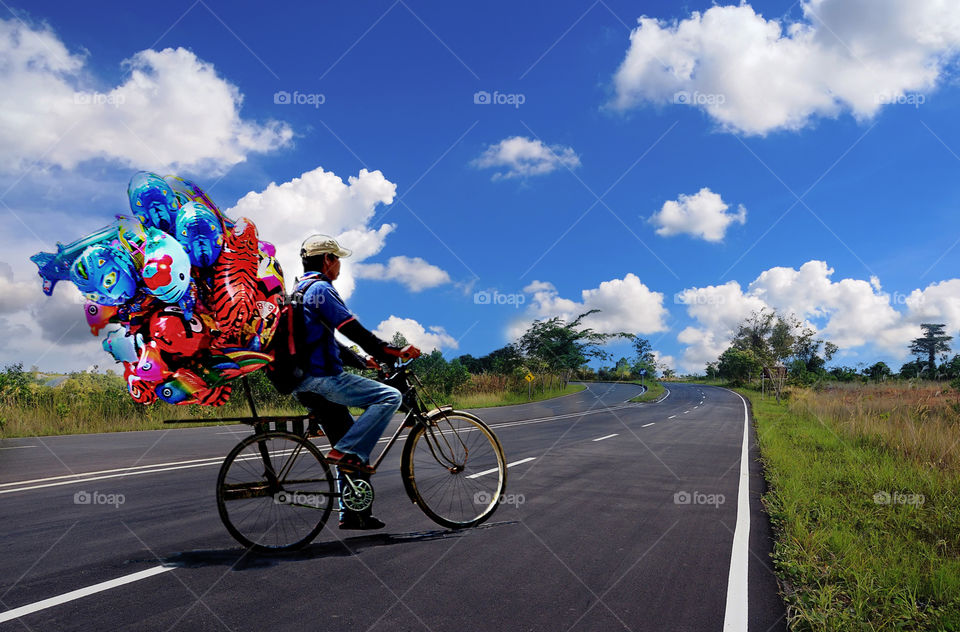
{"points": [[920, 421]]}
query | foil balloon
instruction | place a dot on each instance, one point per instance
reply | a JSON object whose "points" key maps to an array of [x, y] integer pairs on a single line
{"points": [[246, 360], [270, 297], [105, 274], [153, 201], [234, 288], [180, 387], [151, 365], [216, 396], [122, 346], [141, 391], [200, 233], [176, 334], [166, 267], [99, 316], [53, 267], [188, 191]]}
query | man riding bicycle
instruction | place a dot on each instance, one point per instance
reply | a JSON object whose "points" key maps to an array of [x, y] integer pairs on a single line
{"points": [[326, 386]]}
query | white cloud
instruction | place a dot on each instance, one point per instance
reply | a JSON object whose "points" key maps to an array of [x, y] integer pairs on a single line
{"points": [[851, 313], [424, 339], [320, 202], [15, 295], [754, 75], [626, 305], [522, 157], [703, 214], [415, 273], [172, 110]]}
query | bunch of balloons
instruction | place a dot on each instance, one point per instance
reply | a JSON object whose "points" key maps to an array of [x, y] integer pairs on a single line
{"points": [[191, 297]]}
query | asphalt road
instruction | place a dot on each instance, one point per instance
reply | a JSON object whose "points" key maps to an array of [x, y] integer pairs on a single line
{"points": [[625, 518]]}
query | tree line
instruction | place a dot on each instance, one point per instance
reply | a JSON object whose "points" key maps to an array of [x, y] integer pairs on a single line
{"points": [[766, 340]]}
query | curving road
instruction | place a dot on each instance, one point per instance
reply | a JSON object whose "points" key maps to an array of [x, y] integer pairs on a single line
{"points": [[620, 516]]}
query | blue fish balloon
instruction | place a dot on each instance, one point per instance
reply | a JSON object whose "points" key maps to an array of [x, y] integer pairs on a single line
{"points": [[105, 274], [198, 231], [166, 269], [153, 201]]}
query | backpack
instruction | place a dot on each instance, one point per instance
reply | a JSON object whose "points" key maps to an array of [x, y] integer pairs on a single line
{"points": [[291, 353]]}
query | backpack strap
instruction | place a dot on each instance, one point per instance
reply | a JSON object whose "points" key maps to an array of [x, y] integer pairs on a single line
{"points": [[296, 303]]}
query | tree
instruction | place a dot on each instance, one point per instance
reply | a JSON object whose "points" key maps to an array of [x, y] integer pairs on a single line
{"points": [[738, 365], [932, 342], [713, 372], [878, 372], [644, 359], [911, 369], [560, 347]]}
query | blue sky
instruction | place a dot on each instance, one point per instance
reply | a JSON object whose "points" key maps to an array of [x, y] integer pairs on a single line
{"points": [[676, 172]]}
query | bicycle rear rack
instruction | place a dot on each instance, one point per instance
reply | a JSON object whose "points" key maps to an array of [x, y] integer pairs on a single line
{"points": [[295, 424]]}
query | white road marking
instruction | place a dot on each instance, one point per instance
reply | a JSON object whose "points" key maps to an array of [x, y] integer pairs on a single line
{"points": [[609, 436], [671, 416], [496, 469], [83, 477], [649, 424], [17, 447], [82, 592], [735, 614], [685, 412]]}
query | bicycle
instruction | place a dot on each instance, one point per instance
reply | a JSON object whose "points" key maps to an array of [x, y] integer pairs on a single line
{"points": [[275, 491]]}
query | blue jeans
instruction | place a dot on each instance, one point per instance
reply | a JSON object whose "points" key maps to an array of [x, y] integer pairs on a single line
{"points": [[381, 402]]}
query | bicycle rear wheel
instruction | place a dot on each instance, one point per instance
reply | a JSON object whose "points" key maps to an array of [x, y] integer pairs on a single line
{"points": [[275, 492], [454, 469]]}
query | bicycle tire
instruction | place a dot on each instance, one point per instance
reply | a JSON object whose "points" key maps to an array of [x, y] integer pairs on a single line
{"points": [[275, 515], [454, 469]]}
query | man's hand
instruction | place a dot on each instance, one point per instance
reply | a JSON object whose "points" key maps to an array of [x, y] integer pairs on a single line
{"points": [[406, 353]]}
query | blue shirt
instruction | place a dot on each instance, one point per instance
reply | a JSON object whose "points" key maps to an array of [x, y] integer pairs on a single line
{"points": [[323, 313]]}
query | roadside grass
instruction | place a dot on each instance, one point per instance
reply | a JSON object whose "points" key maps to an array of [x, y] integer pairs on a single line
{"points": [[867, 526], [655, 391], [85, 403], [509, 398]]}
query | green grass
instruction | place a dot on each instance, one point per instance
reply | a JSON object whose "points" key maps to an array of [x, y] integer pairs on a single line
{"points": [[655, 391], [94, 403], [846, 562], [489, 400]]}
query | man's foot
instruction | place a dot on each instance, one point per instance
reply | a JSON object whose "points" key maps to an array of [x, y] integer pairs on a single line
{"points": [[361, 523], [347, 461]]}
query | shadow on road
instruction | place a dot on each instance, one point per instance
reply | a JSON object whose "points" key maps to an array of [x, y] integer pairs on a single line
{"points": [[239, 559]]}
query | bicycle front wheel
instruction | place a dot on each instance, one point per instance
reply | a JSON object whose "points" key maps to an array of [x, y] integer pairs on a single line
{"points": [[454, 469], [275, 492]]}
